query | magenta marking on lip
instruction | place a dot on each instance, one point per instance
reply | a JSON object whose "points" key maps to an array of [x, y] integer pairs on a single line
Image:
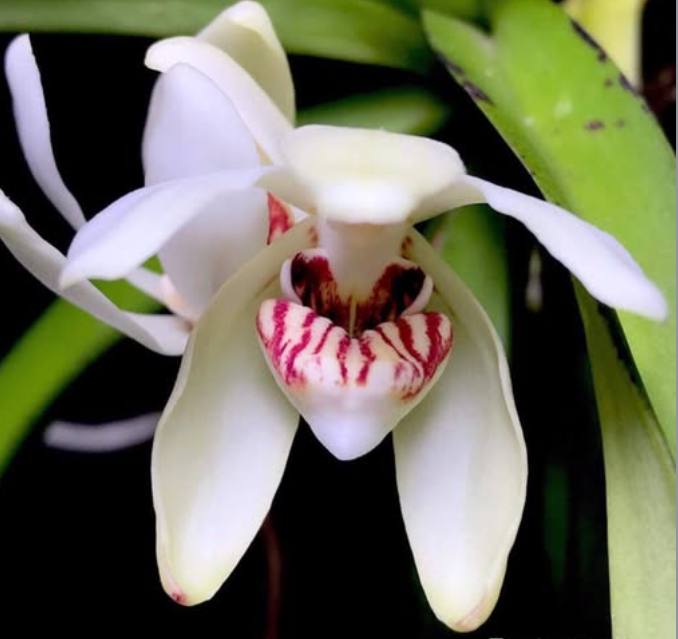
{"points": [[342, 352], [424, 366], [396, 289], [323, 339], [291, 372], [368, 358]]}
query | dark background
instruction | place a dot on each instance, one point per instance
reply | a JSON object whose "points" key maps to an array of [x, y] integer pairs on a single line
{"points": [[77, 531]]}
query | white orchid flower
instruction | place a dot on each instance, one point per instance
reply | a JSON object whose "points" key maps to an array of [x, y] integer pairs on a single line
{"points": [[185, 156], [351, 320]]}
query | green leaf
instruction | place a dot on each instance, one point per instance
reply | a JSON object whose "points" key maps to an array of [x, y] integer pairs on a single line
{"points": [[472, 242], [589, 143], [410, 110], [641, 493], [363, 31], [466, 9], [49, 356]]}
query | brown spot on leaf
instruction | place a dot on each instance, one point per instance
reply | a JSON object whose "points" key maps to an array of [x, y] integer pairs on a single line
{"points": [[476, 92], [452, 66], [594, 125]]}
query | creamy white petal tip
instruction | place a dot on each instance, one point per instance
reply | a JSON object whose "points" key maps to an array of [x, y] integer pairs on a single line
{"points": [[599, 261], [32, 124], [365, 176], [245, 32]]}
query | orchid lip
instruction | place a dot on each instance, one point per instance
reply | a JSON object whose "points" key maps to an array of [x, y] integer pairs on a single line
{"points": [[353, 365], [352, 391]]}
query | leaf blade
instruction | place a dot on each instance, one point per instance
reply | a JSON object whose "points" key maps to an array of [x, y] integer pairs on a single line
{"points": [[641, 495], [364, 31], [589, 143]]}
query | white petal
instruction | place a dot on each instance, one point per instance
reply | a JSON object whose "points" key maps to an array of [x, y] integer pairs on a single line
{"points": [[147, 282], [224, 438], [32, 123], [245, 32], [362, 176], [162, 333], [210, 248], [600, 263], [461, 464], [136, 226], [101, 438], [261, 116], [193, 129]]}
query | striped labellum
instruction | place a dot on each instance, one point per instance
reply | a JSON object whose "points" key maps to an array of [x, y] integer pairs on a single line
{"points": [[353, 366]]}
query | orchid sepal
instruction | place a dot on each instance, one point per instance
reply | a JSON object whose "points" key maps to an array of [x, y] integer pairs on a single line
{"points": [[206, 520]]}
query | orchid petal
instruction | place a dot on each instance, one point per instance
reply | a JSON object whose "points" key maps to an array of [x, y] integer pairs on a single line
{"points": [[262, 117], [363, 176], [461, 464], [147, 282], [601, 264], [162, 333], [32, 123], [136, 226], [245, 32], [193, 129], [224, 438], [211, 247], [101, 438]]}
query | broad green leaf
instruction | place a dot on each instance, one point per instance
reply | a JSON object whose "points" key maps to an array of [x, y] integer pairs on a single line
{"points": [[641, 488], [589, 143], [400, 110], [363, 31], [49, 356]]}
